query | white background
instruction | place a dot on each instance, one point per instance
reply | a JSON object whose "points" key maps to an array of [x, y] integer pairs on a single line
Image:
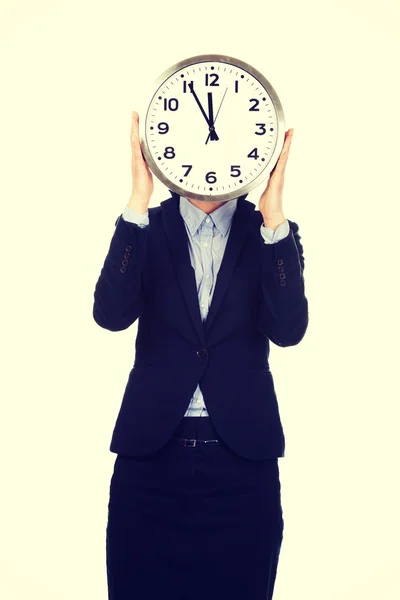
{"points": [[71, 74]]}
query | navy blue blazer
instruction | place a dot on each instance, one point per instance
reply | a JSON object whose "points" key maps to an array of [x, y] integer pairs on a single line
{"points": [[259, 296]]}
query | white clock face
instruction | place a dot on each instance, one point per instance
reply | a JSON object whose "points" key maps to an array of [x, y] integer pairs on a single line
{"points": [[211, 130]]}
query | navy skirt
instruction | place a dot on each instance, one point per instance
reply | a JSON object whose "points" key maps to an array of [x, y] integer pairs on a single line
{"points": [[194, 522]]}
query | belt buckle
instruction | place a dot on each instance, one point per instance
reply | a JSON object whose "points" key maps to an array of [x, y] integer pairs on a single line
{"points": [[189, 440]]}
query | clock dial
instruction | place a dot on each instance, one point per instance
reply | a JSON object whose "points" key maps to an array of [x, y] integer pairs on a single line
{"points": [[211, 129]]}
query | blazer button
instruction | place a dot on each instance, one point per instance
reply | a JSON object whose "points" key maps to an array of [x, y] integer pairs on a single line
{"points": [[283, 282], [122, 269], [202, 353], [280, 261], [128, 248], [125, 262]]}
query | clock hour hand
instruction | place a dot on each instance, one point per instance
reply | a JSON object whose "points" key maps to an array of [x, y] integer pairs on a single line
{"points": [[217, 113], [191, 87], [212, 133]]}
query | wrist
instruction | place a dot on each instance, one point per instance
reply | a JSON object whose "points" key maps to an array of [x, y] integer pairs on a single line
{"points": [[138, 204], [275, 221]]}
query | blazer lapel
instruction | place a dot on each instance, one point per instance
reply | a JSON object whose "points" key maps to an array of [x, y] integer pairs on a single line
{"points": [[240, 225], [179, 246]]}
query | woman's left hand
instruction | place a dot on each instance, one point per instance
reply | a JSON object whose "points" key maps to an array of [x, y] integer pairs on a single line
{"points": [[270, 204]]}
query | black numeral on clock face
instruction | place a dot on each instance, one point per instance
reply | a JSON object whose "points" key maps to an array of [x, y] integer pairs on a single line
{"points": [[214, 82], [163, 128], [211, 175], [257, 102], [253, 154], [169, 152], [171, 104], [262, 125], [236, 86], [237, 169], [190, 167]]}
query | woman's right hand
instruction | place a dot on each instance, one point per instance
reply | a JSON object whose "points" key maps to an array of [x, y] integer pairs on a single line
{"points": [[142, 177]]}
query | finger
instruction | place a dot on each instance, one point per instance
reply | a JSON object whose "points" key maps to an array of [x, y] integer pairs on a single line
{"points": [[134, 126], [288, 140], [279, 169], [285, 150], [135, 142]]}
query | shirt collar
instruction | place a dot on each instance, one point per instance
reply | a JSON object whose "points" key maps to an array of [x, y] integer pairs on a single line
{"points": [[193, 216]]}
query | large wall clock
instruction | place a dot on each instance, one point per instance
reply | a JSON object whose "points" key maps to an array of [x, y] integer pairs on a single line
{"points": [[212, 128]]}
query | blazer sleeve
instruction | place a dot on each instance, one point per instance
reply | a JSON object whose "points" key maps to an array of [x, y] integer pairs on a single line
{"points": [[118, 294], [284, 306]]}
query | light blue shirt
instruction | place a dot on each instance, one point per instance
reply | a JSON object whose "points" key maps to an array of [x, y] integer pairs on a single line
{"points": [[208, 235]]}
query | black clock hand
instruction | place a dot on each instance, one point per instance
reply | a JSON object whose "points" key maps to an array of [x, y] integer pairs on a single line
{"points": [[217, 113], [191, 87], [213, 133], [198, 102]]}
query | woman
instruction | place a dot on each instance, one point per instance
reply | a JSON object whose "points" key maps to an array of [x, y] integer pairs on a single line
{"points": [[195, 508]]}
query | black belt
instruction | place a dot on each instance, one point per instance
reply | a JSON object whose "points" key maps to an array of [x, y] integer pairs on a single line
{"points": [[191, 443]]}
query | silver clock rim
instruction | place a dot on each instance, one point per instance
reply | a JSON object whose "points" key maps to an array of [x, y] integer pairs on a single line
{"points": [[233, 194]]}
